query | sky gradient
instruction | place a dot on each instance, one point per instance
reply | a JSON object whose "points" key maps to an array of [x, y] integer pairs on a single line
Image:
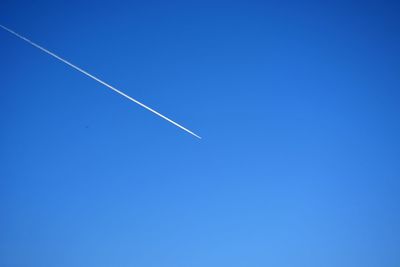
{"points": [[297, 103]]}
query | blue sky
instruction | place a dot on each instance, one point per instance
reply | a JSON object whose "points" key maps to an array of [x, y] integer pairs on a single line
{"points": [[297, 103]]}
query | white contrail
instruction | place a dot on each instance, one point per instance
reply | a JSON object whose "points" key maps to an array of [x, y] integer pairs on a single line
{"points": [[98, 80]]}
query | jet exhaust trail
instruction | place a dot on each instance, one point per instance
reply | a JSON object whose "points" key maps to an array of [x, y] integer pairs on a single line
{"points": [[98, 80]]}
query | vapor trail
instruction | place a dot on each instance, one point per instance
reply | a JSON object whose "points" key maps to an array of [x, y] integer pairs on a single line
{"points": [[98, 80]]}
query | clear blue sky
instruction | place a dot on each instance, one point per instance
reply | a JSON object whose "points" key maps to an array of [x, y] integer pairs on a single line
{"points": [[298, 105]]}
